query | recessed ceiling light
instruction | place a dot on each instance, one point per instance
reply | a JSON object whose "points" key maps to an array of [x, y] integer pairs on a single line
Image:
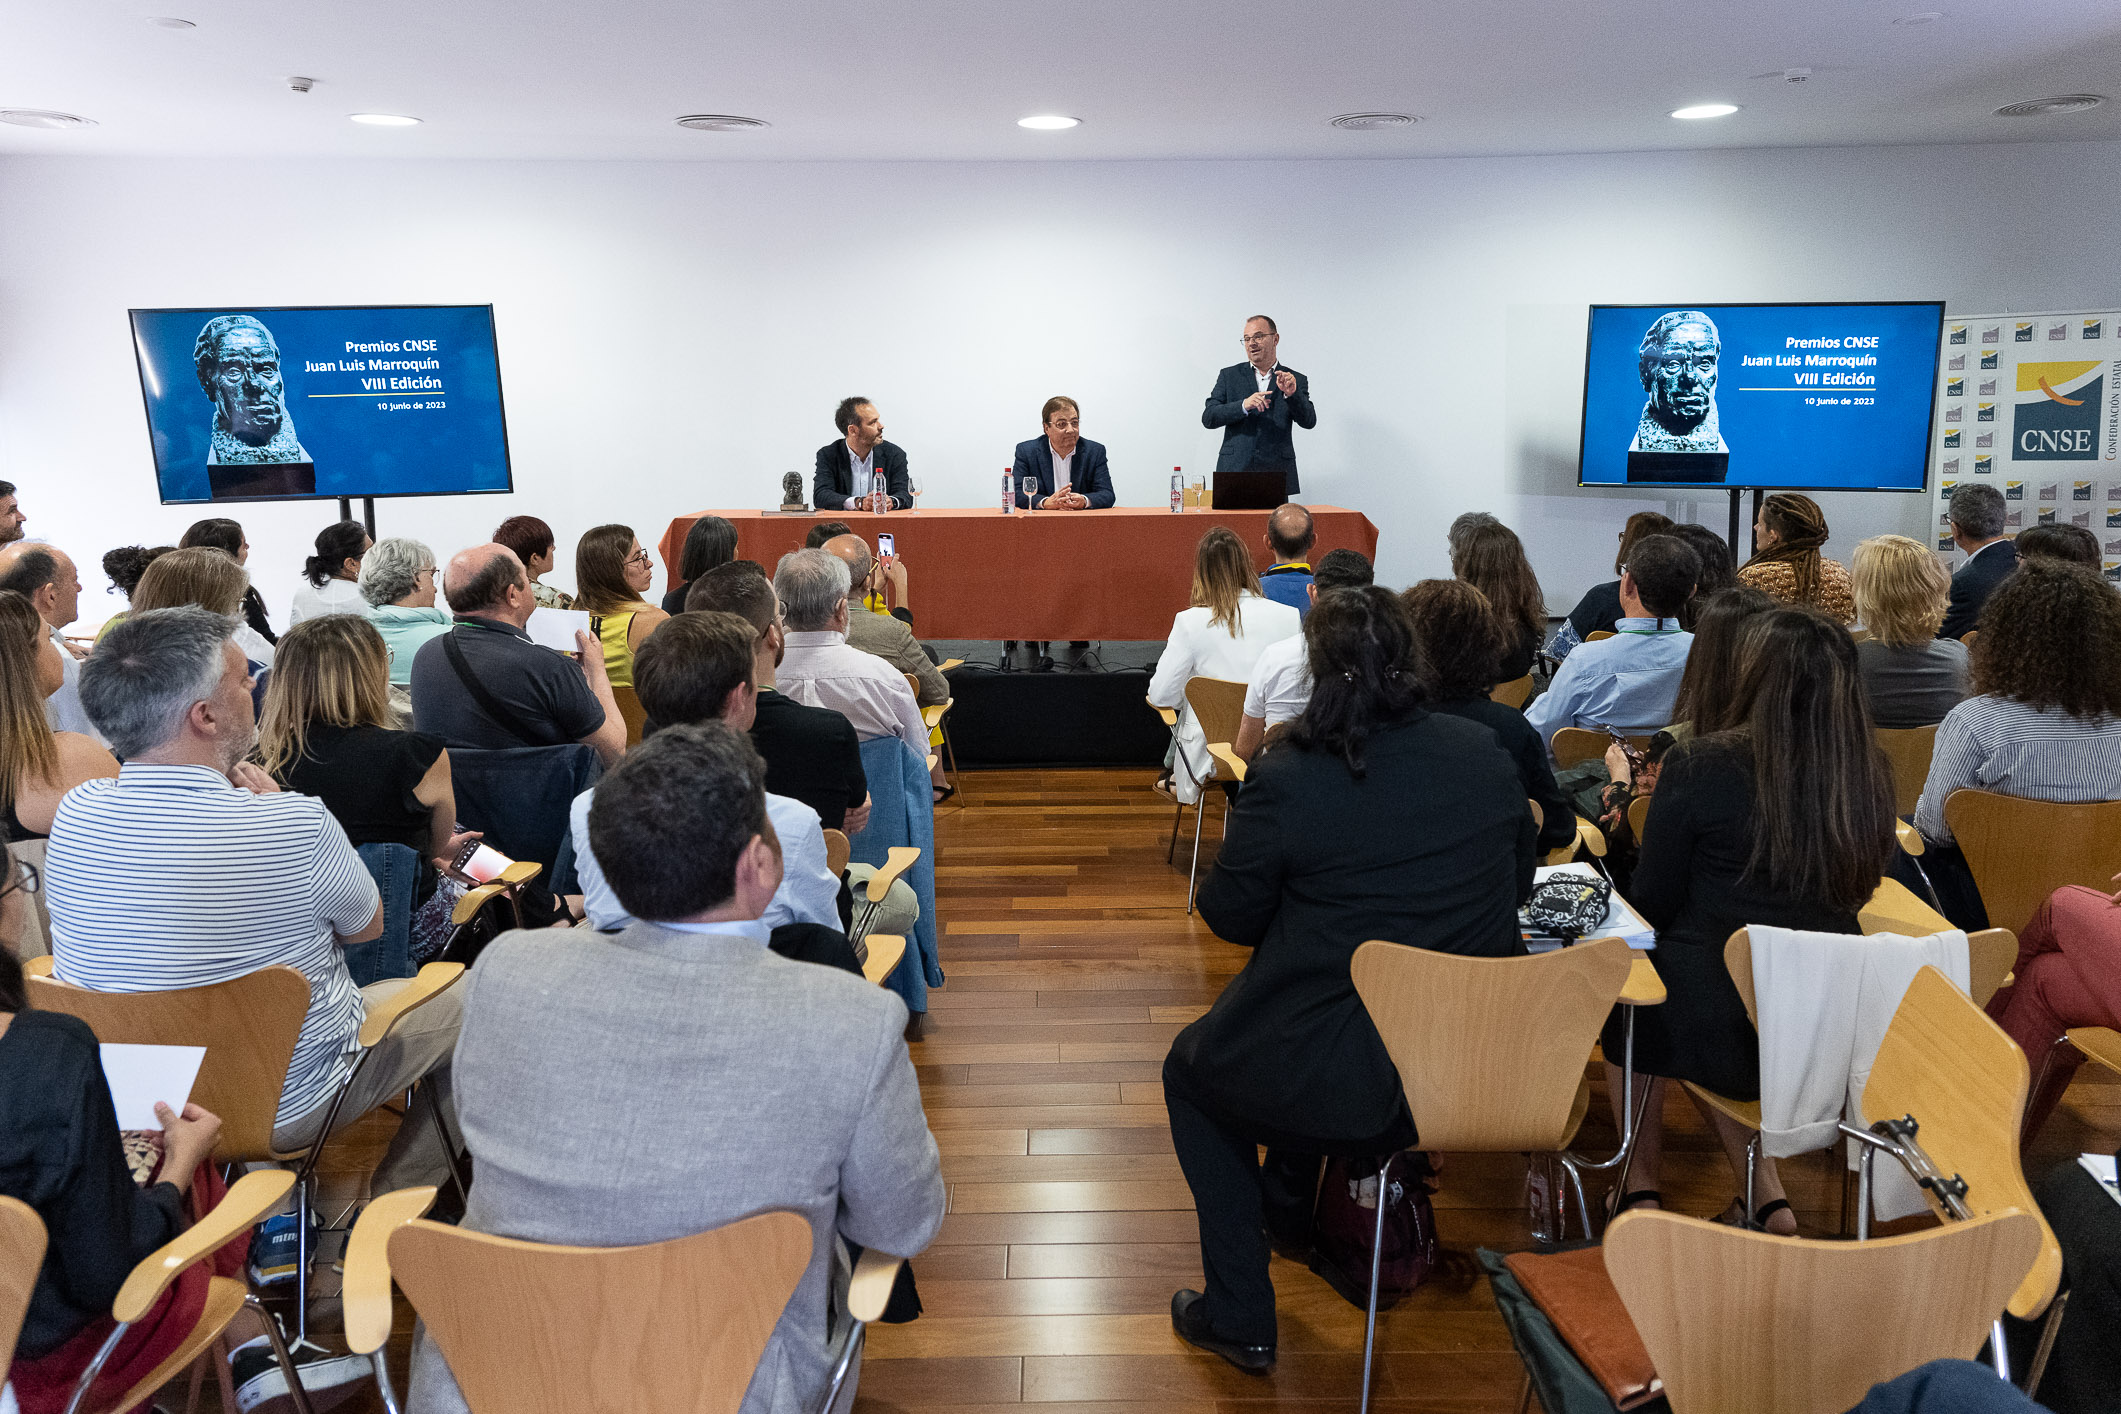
{"points": [[170, 22], [1371, 122], [385, 120], [1705, 110], [1921, 17], [1047, 122], [2049, 107], [44, 118], [720, 123]]}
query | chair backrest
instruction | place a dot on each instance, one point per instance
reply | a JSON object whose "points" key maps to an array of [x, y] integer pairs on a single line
{"points": [[21, 1257], [837, 851], [630, 708], [1514, 693], [1575, 745], [2023, 850], [1639, 815], [1597, 633], [521, 797], [1990, 955], [1909, 749], [1218, 706], [1491, 1050], [1944, 1062], [677, 1326], [1742, 1322], [248, 1026]]}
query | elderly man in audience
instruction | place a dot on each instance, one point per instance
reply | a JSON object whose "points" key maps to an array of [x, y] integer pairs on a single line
{"points": [[1629, 681], [191, 867], [45, 575], [693, 1078], [698, 668], [1281, 680], [1290, 535], [811, 753], [822, 669], [885, 635], [484, 686]]}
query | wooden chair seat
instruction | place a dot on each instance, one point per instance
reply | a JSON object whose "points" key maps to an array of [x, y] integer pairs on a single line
{"points": [[1573, 746], [837, 851], [1514, 693], [2098, 1044], [2020, 851]]}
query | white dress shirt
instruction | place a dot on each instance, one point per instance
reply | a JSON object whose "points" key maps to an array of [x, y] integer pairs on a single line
{"points": [[1263, 377], [1199, 649], [63, 708], [1062, 470], [1280, 688], [337, 596], [864, 478], [821, 669], [809, 891]]}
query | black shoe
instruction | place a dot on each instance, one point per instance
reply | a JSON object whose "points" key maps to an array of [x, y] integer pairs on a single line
{"points": [[326, 1376], [1042, 664], [1192, 1328]]}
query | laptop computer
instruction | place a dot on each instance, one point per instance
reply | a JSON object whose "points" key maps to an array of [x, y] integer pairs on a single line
{"points": [[1250, 490]]}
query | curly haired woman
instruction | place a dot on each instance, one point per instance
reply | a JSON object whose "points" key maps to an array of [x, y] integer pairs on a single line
{"points": [[1789, 531]]}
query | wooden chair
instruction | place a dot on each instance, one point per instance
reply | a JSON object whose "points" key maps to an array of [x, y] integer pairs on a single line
{"points": [[630, 708], [460, 947], [937, 719], [1639, 815], [1218, 707], [248, 1027], [882, 959], [1597, 633], [870, 901], [2022, 850], [836, 851], [1741, 1322], [1588, 837], [536, 1328], [21, 1258], [1514, 693], [1909, 748], [1491, 1050], [1572, 746]]}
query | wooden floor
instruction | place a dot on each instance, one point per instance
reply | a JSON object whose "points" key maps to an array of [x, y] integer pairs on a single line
{"points": [[1072, 963]]}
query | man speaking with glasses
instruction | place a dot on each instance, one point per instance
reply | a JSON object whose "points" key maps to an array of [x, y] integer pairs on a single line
{"points": [[255, 451], [1256, 403]]}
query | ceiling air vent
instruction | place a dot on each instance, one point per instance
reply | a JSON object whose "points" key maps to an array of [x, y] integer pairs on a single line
{"points": [[720, 123], [1371, 122], [2048, 107], [44, 118]]}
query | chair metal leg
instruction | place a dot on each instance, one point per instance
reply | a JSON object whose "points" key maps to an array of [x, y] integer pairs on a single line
{"points": [[1752, 1163], [95, 1367], [855, 1340], [1583, 1208], [279, 1352], [302, 1253], [1999, 1354], [1200, 808], [390, 1396], [1377, 1260], [2049, 1329], [449, 1153], [1178, 818], [1863, 1192]]}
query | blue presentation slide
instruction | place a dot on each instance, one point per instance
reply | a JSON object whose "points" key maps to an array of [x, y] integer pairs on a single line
{"points": [[268, 404], [1800, 396]]}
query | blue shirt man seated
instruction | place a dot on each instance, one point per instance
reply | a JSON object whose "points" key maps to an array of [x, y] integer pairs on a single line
{"points": [[1290, 536], [1629, 681]]}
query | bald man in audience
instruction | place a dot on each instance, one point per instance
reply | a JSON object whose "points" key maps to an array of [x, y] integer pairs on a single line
{"points": [[45, 575], [885, 635], [1290, 536]]}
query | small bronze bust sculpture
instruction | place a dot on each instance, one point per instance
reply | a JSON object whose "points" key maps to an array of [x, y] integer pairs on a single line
{"points": [[792, 492]]}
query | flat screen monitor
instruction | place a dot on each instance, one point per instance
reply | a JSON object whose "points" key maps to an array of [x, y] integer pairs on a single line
{"points": [[322, 401], [1827, 397]]}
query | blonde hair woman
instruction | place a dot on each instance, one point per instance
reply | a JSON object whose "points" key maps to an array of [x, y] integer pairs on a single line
{"points": [[1221, 636], [1790, 530], [612, 574], [1911, 676], [209, 578]]}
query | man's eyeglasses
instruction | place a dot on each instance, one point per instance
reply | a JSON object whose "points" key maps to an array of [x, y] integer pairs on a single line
{"points": [[26, 879]]}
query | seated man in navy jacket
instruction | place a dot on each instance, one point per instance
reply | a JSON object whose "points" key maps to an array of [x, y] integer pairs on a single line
{"points": [[1256, 403], [846, 468], [1072, 472]]}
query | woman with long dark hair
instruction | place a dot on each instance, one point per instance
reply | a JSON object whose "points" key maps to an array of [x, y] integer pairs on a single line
{"points": [[1783, 816], [612, 574], [225, 535], [1599, 609], [333, 574], [1373, 818], [710, 544], [1491, 559], [1788, 534], [1718, 569]]}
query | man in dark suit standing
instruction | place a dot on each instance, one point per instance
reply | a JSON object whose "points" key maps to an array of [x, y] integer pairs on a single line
{"points": [[1256, 403], [1977, 528], [845, 469], [1072, 471]]}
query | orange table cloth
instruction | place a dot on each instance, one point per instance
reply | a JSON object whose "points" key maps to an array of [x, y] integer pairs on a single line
{"points": [[1112, 575]]}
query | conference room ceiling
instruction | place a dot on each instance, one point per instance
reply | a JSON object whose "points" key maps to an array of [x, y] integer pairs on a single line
{"points": [[948, 79]]}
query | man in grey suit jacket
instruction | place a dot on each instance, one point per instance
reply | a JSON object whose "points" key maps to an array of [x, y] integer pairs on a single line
{"points": [[1256, 403], [677, 1076]]}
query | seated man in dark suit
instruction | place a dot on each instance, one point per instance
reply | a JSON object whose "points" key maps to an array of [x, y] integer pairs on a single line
{"points": [[1977, 528], [1255, 403], [812, 753], [846, 468], [1071, 470]]}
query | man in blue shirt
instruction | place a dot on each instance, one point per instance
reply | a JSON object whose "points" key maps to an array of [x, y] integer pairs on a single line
{"points": [[1290, 536], [1629, 681]]}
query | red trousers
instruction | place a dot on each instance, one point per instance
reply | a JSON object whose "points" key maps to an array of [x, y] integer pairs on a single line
{"points": [[2068, 974]]}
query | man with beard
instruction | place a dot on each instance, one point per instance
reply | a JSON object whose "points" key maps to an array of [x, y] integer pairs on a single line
{"points": [[255, 450], [1678, 365]]}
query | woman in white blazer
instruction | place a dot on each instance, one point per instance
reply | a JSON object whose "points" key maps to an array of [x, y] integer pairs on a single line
{"points": [[1221, 636]]}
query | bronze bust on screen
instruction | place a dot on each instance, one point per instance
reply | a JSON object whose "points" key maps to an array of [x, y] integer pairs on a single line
{"points": [[255, 451], [1678, 363]]}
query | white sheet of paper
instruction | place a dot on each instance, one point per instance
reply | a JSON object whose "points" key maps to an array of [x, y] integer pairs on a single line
{"points": [[2101, 1167], [556, 628], [141, 1075]]}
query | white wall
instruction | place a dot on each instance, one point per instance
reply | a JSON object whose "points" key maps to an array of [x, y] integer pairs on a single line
{"points": [[674, 335]]}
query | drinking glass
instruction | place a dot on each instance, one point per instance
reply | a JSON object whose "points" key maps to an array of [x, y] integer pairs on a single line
{"points": [[913, 484], [1200, 492], [1030, 492]]}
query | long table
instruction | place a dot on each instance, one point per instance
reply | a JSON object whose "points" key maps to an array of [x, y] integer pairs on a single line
{"points": [[1114, 575]]}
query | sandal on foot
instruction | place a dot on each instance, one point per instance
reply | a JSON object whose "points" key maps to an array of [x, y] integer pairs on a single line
{"points": [[1734, 1216]]}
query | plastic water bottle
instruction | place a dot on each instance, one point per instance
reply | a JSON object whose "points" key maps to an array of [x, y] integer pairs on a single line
{"points": [[1178, 490], [1008, 491], [879, 493]]}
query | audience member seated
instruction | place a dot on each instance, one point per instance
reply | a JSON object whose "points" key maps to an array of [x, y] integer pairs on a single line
{"points": [[530, 540], [885, 635], [696, 1077], [825, 530], [210, 580], [612, 573], [1460, 640], [710, 544], [45, 575], [123, 567], [328, 731], [2058, 542], [2084, 1369], [698, 669], [812, 753], [1976, 516], [1491, 559], [1280, 684], [498, 690], [1783, 818], [398, 581], [11, 515], [2045, 718], [1373, 818], [61, 1153], [333, 574], [1629, 681], [193, 867], [1599, 610], [220, 533], [2068, 974], [1911, 676], [829, 530], [1290, 535], [1222, 636], [821, 669], [1787, 564], [1718, 570]]}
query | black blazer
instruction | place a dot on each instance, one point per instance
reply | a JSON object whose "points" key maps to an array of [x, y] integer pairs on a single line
{"points": [[1257, 441], [833, 481], [1433, 848], [812, 755], [1976, 580], [1088, 473]]}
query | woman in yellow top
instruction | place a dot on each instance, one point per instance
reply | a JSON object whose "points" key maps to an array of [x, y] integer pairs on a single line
{"points": [[612, 574], [1787, 565]]}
